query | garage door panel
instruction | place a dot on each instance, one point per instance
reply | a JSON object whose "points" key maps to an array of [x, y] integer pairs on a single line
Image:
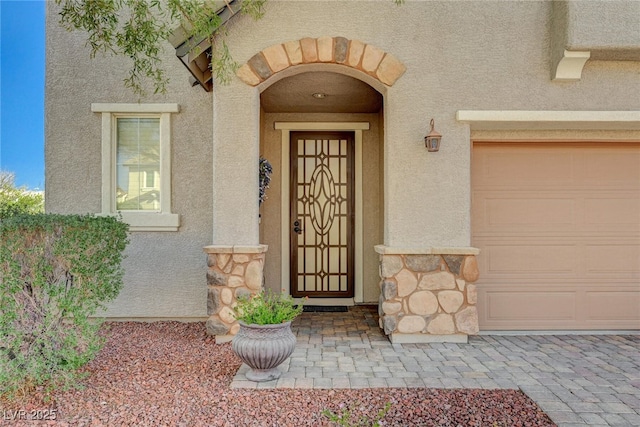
{"points": [[583, 165], [528, 211], [534, 213], [548, 308], [614, 306], [524, 260], [586, 259], [612, 167], [558, 226], [524, 306], [613, 213], [613, 259], [524, 168]]}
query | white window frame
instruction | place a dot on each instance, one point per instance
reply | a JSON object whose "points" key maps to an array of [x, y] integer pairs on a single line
{"points": [[164, 219]]}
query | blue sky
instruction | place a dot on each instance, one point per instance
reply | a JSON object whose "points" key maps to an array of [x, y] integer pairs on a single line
{"points": [[22, 91]]}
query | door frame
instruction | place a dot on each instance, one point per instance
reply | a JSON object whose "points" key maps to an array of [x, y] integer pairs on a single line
{"points": [[285, 238]]}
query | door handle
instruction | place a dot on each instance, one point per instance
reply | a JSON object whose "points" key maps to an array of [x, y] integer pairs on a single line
{"points": [[296, 226]]}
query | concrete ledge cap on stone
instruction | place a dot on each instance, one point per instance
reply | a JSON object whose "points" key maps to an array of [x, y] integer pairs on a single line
{"points": [[225, 249], [388, 250]]}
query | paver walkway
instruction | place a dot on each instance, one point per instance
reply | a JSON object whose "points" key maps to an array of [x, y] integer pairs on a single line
{"points": [[578, 380]]}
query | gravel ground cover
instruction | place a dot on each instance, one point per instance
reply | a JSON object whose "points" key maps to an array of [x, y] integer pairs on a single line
{"points": [[173, 374]]}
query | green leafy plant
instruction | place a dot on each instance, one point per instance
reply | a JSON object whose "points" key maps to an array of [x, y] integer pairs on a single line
{"points": [[345, 418], [267, 308], [56, 271], [138, 30], [15, 200]]}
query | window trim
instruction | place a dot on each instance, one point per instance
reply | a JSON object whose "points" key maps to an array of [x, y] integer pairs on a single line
{"points": [[164, 219]]}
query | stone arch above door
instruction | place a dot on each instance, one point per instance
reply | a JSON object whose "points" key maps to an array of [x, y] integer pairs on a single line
{"points": [[329, 50]]}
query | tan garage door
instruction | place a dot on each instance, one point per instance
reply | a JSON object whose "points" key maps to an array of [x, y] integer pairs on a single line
{"points": [[559, 229]]}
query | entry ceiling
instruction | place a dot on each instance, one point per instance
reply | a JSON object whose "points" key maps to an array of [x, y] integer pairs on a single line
{"points": [[343, 94]]}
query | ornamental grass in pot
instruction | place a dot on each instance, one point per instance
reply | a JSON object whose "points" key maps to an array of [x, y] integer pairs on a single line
{"points": [[265, 339]]}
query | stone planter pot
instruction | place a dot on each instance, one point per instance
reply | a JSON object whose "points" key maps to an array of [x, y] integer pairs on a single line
{"points": [[264, 348]]}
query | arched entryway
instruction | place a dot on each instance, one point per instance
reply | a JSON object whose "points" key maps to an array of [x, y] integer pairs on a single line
{"points": [[326, 151], [258, 117], [322, 128]]}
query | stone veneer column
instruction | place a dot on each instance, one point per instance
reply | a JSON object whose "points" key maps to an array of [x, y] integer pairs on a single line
{"points": [[427, 295], [234, 271]]}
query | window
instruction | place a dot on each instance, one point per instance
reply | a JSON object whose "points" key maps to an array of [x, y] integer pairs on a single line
{"points": [[136, 164]]}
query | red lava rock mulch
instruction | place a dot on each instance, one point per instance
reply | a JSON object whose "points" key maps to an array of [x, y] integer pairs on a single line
{"points": [[173, 374]]}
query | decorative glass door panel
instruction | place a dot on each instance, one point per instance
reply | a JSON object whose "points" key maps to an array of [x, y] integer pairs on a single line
{"points": [[322, 214]]}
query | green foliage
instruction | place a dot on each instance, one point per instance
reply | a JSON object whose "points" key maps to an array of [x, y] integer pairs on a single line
{"points": [[55, 272], [16, 201], [138, 29], [267, 308], [346, 417]]}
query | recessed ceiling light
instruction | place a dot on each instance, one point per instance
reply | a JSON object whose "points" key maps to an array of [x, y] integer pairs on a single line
{"points": [[319, 95]]}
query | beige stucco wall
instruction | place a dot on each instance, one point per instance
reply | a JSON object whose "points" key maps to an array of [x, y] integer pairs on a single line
{"points": [[165, 271], [459, 56], [270, 229], [454, 61], [608, 29]]}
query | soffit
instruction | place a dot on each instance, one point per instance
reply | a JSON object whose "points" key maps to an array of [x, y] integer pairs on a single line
{"points": [[344, 94], [195, 52]]}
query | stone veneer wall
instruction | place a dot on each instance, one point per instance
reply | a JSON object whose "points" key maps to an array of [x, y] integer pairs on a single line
{"points": [[234, 271], [428, 297]]}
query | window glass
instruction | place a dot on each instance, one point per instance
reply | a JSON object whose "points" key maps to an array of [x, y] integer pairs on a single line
{"points": [[138, 164]]}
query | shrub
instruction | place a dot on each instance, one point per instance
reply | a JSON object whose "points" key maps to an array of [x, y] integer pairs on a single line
{"points": [[267, 308], [16, 201], [56, 271], [347, 419]]}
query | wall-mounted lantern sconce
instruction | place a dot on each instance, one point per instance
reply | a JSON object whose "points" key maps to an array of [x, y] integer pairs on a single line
{"points": [[432, 140]]}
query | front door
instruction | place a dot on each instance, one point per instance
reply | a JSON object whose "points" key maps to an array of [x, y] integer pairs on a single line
{"points": [[322, 214]]}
